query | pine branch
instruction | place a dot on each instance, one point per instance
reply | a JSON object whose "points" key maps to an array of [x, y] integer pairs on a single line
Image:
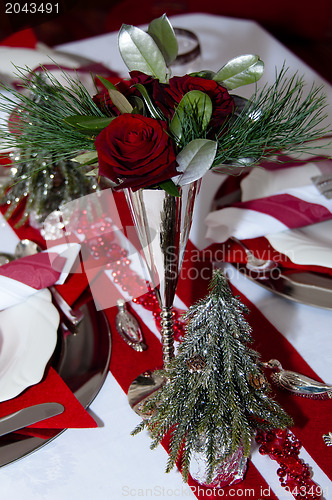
{"points": [[39, 116], [278, 118]]}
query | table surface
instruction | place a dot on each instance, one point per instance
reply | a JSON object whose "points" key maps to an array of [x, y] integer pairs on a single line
{"points": [[108, 462]]}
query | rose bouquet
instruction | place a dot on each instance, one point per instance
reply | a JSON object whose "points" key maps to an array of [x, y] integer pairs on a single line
{"points": [[155, 130]]}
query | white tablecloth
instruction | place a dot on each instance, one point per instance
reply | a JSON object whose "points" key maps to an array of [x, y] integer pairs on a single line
{"points": [[107, 462]]}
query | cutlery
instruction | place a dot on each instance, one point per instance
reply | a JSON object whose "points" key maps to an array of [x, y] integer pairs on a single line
{"points": [[28, 416], [324, 184], [128, 328], [27, 247], [5, 258], [300, 286], [254, 263]]}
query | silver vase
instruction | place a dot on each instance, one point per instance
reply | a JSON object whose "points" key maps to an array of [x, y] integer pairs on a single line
{"points": [[162, 223], [231, 469]]}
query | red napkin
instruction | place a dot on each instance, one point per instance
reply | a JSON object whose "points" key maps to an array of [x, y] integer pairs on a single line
{"points": [[37, 271], [25, 39], [229, 194], [51, 389], [230, 251]]}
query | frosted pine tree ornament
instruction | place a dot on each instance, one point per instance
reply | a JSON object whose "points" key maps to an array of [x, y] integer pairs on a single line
{"points": [[216, 396]]}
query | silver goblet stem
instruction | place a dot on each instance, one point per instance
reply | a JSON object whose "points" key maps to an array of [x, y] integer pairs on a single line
{"points": [[167, 334], [162, 223]]}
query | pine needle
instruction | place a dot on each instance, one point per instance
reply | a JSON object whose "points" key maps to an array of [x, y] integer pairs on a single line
{"points": [[38, 116], [276, 119]]}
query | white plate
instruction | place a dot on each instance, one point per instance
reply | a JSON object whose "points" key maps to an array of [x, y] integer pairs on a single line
{"points": [[310, 245], [28, 336]]}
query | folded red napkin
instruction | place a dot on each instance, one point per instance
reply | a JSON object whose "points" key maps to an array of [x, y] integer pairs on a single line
{"points": [[25, 38], [232, 252], [266, 202], [51, 389], [22, 277], [37, 271]]}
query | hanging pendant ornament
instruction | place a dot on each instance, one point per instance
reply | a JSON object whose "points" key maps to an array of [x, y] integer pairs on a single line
{"points": [[327, 438], [128, 328]]}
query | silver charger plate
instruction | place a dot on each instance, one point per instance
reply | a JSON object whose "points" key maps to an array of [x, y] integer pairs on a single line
{"points": [[305, 287], [82, 360]]}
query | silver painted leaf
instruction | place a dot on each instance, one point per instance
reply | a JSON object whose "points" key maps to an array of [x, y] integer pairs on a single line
{"points": [[198, 105], [140, 52], [195, 160], [163, 34], [239, 71]]}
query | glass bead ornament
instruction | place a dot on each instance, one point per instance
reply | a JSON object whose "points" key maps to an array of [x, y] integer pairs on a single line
{"points": [[41, 186]]}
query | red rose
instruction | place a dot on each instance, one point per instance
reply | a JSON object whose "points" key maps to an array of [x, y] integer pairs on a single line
{"points": [[126, 87], [168, 96], [136, 152]]}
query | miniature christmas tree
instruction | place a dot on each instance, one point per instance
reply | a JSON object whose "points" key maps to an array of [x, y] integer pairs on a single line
{"points": [[214, 386]]}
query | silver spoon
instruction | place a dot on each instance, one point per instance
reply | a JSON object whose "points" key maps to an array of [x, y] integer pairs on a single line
{"points": [[24, 248], [27, 247], [259, 266], [5, 258]]}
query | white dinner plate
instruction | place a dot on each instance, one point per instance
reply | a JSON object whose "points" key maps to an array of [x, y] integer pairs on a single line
{"points": [[28, 336], [310, 245]]}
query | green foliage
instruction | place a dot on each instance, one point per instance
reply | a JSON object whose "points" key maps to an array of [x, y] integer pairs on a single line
{"points": [[119, 100], [169, 187], [141, 53], [196, 105], [163, 34], [107, 84], [40, 125], [217, 399], [277, 118], [90, 158], [155, 112], [240, 71], [88, 124]]}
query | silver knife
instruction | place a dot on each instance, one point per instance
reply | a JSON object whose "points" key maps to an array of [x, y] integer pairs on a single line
{"points": [[301, 286], [28, 416]]}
